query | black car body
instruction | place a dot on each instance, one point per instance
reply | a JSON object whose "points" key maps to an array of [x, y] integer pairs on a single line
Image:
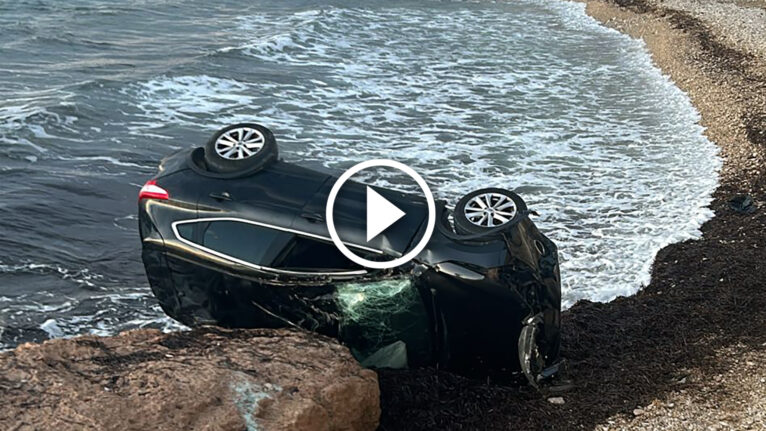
{"points": [[251, 249]]}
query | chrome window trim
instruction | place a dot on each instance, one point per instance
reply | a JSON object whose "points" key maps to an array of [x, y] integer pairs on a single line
{"points": [[175, 224]]}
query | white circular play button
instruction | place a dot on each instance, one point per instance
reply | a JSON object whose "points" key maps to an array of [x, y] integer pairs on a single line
{"points": [[381, 214]]}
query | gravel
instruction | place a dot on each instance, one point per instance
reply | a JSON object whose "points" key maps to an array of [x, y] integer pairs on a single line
{"points": [[741, 26]]}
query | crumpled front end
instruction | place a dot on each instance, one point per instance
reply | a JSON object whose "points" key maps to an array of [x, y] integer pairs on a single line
{"points": [[495, 314]]}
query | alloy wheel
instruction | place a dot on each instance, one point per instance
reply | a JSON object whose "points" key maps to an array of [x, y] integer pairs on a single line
{"points": [[240, 143], [490, 209]]}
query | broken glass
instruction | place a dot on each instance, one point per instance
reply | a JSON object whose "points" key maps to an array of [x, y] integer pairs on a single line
{"points": [[382, 321]]}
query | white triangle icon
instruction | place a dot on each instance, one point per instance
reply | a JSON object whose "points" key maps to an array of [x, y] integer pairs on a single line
{"points": [[380, 213]]}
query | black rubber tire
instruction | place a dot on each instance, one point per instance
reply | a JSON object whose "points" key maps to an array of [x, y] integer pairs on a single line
{"points": [[267, 154], [464, 226]]}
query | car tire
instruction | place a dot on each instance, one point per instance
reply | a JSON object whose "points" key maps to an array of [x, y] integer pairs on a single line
{"points": [[243, 147], [486, 210]]}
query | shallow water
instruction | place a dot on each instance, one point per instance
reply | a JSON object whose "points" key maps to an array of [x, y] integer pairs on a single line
{"points": [[531, 95]]}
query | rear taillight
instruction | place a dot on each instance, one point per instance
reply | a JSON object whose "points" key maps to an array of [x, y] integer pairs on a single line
{"points": [[151, 190]]}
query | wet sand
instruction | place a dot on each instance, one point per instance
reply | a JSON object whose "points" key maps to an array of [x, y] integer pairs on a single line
{"points": [[689, 350]]}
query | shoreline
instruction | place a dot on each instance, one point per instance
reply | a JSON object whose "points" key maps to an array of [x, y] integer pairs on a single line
{"points": [[686, 351]]}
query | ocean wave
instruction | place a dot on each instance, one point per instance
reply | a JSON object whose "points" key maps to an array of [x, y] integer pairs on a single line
{"points": [[277, 35], [33, 116], [31, 120], [81, 276], [103, 316], [184, 99], [608, 150], [109, 160], [99, 305]]}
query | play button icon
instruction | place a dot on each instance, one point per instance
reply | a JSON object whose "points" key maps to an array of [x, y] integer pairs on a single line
{"points": [[380, 213]]}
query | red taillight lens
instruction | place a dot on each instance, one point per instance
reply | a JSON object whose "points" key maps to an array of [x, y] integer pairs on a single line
{"points": [[151, 190]]}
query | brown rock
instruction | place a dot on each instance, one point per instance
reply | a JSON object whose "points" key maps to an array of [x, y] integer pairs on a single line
{"points": [[204, 379]]}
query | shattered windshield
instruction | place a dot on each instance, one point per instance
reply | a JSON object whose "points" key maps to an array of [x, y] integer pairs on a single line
{"points": [[384, 322]]}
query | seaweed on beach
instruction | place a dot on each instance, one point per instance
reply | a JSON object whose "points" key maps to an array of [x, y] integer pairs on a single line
{"points": [[755, 125], [727, 58], [638, 6]]}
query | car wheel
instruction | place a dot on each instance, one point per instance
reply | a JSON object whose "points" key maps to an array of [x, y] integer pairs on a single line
{"points": [[240, 147], [487, 209]]}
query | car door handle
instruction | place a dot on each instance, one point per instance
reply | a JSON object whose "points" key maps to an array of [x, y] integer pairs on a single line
{"points": [[313, 217], [225, 196]]}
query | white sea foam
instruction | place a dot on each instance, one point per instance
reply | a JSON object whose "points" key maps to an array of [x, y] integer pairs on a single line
{"points": [[82, 276], [52, 328], [181, 97], [532, 95], [106, 322], [106, 159], [17, 113]]}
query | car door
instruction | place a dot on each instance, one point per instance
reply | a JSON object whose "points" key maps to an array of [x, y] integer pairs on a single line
{"points": [[272, 196]]}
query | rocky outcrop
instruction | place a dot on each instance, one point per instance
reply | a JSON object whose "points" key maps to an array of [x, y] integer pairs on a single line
{"points": [[204, 379]]}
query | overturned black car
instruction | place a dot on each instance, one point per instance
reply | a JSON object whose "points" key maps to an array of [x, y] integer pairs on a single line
{"points": [[234, 237]]}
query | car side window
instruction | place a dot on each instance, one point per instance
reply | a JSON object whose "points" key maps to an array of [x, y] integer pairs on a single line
{"points": [[244, 241], [313, 255]]}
